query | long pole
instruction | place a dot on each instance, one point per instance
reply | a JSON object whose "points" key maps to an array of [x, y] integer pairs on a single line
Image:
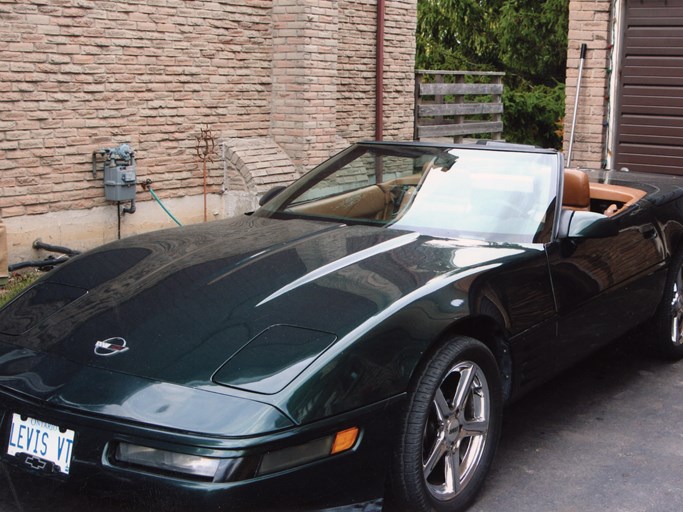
{"points": [[379, 78], [582, 59]]}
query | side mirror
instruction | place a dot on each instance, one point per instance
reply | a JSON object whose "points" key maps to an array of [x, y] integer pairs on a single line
{"points": [[578, 224], [270, 194]]}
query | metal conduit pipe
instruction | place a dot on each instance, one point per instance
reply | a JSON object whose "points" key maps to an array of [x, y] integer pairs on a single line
{"points": [[48, 262], [379, 82], [39, 244]]}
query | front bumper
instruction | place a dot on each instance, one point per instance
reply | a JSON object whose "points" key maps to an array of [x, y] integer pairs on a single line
{"points": [[350, 477]]}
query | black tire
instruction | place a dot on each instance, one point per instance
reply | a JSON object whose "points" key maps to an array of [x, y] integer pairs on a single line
{"points": [[668, 320], [459, 385]]}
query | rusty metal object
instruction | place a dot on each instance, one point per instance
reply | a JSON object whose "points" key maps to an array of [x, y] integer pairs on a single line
{"points": [[206, 149]]}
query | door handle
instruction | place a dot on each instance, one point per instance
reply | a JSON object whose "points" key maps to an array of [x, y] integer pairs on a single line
{"points": [[648, 231]]}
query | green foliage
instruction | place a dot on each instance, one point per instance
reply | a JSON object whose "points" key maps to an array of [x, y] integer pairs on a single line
{"points": [[533, 39], [531, 116], [456, 31], [15, 286], [527, 39]]}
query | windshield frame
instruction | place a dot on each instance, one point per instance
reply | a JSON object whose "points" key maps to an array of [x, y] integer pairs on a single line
{"points": [[275, 208]]}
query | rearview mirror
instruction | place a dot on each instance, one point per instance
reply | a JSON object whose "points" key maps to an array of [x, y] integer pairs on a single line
{"points": [[579, 224], [270, 194]]}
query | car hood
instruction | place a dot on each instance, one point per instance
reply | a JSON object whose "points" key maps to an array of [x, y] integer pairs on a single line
{"points": [[246, 302], [49, 379]]}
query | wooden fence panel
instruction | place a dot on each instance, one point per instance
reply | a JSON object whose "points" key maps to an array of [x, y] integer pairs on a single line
{"points": [[460, 89], [453, 130], [457, 103]]}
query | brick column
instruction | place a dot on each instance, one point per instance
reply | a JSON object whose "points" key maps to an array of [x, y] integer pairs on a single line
{"points": [[589, 22], [305, 50]]}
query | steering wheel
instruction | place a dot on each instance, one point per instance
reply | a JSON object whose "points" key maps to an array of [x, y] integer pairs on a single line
{"points": [[400, 194]]}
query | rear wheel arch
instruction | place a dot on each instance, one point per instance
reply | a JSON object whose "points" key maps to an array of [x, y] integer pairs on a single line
{"points": [[673, 240]]}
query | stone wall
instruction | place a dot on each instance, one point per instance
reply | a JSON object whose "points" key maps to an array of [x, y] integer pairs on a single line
{"points": [[589, 23], [295, 77]]}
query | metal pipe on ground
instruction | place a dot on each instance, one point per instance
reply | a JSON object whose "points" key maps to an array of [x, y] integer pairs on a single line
{"points": [[48, 262], [39, 244]]}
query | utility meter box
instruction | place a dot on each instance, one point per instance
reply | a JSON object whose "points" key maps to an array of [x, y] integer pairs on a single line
{"points": [[119, 182], [119, 172]]}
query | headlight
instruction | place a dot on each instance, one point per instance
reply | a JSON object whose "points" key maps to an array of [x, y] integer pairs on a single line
{"points": [[163, 460], [233, 469]]}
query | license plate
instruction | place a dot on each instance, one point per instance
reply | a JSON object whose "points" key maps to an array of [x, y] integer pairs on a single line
{"points": [[41, 443]]}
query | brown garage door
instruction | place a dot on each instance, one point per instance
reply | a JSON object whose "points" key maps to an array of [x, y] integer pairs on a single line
{"points": [[650, 121]]}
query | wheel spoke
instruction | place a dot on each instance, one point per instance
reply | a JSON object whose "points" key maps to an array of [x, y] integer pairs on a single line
{"points": [[675, 301], [464, 387], [675, 327], [452, 473], [443, 410], [475, 428], [677, 309], [438, 451]]}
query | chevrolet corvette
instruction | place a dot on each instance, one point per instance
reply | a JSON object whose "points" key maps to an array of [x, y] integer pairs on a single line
{"points": [[355, 337]]}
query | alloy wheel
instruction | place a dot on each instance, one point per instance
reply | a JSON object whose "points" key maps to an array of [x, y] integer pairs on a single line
{"points": [[456, 430], [677, 310]]}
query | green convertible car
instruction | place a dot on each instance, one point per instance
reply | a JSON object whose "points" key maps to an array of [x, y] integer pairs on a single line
{"points": [[354, 338]]}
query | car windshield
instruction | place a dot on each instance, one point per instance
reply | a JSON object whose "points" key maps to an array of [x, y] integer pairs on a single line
{"points": [[474, 192]]}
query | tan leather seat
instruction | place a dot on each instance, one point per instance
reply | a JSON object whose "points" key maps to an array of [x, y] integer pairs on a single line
{"points": [[577, 192]]}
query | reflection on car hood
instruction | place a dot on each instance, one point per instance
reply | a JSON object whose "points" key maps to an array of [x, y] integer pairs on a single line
{"points": [[175, 305], [56, 381]]}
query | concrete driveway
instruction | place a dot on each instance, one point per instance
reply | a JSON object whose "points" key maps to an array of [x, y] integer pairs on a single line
{"points": [[606, 436]]}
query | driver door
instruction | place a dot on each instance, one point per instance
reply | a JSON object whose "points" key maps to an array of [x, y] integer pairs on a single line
{"points": [[604, 287]]}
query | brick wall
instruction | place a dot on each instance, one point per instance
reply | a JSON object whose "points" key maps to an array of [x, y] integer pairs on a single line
{"points": [[80, 75], [356, 69], [590, 23], [305, 53], [399, 71]]}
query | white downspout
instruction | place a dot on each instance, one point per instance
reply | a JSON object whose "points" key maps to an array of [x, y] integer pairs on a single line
{"points": [[618, 16]]}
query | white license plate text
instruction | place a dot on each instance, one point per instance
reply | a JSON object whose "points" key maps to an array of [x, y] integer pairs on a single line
{"points": [[41, 440]]}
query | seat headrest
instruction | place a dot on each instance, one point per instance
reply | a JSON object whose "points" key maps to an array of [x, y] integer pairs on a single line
{"points": [[577, 192]]}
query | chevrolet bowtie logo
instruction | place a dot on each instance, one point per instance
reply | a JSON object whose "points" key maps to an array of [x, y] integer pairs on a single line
{"points": [[35, 462], [110, 347]]}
